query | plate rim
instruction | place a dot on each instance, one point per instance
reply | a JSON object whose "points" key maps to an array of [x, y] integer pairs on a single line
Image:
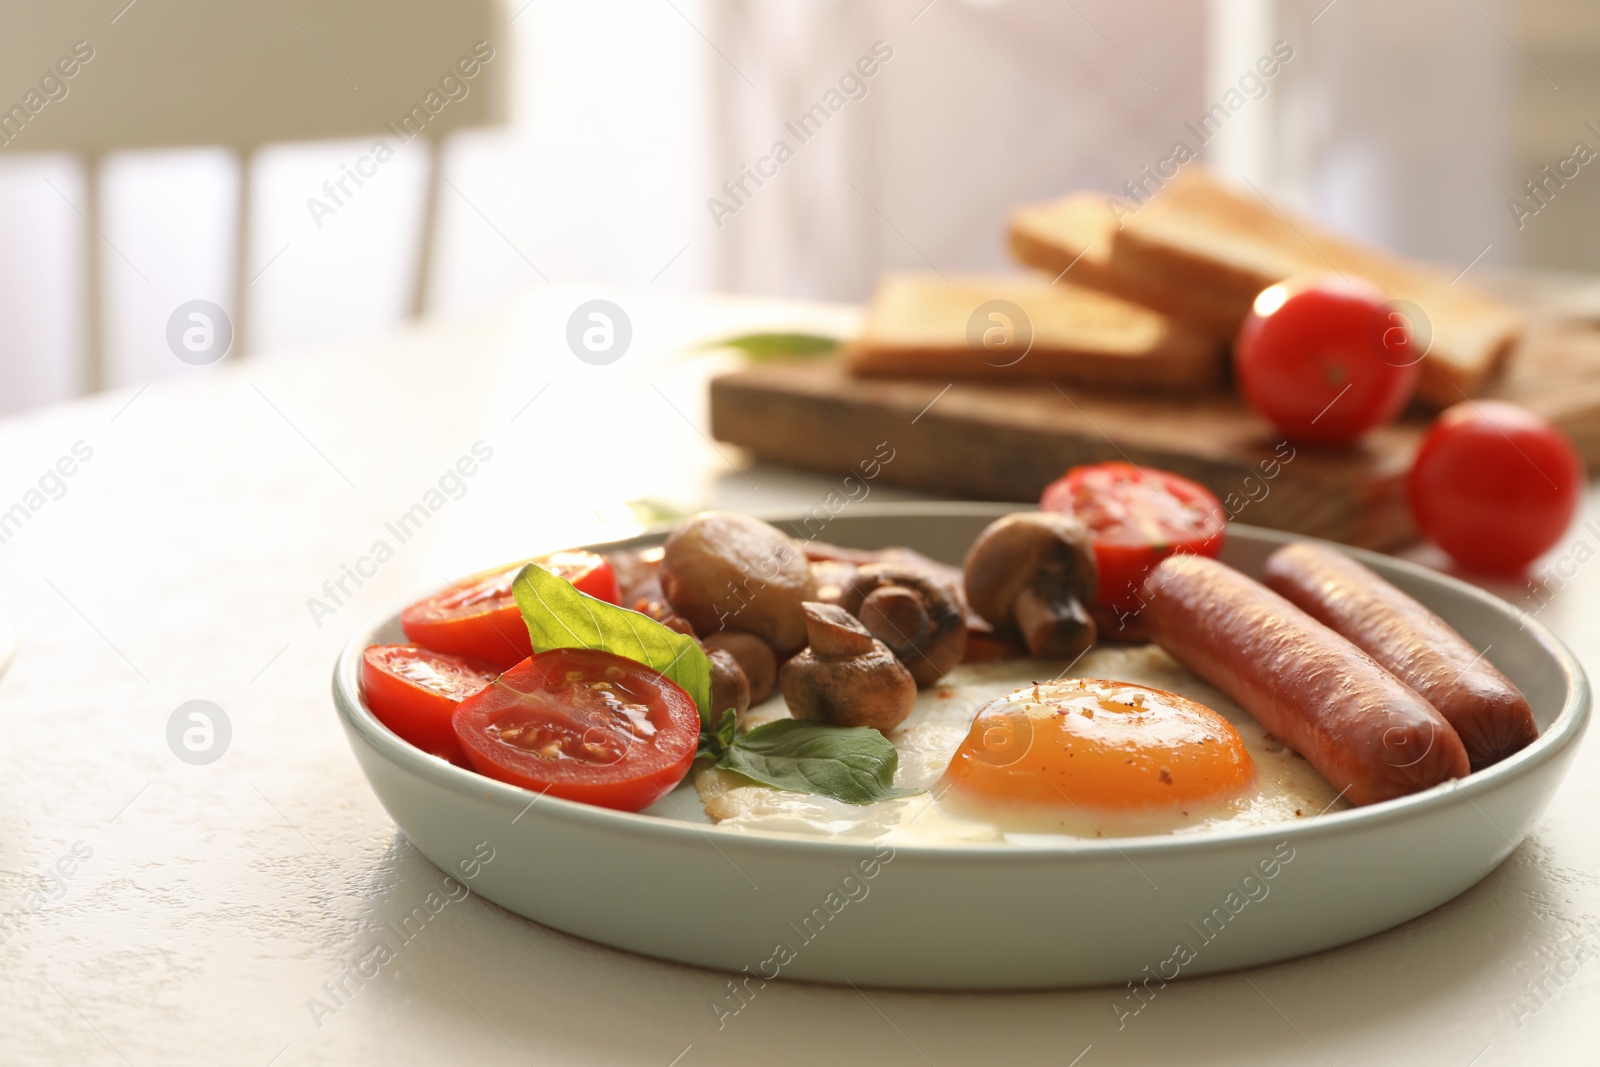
{"points": [[1567, 727]]}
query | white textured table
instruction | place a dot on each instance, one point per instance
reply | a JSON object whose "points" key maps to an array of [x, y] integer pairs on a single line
{"points": [[158, 912]]}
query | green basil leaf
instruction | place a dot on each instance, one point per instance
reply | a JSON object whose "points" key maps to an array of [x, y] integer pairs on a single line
{"points": [[853, 764], [762, 346], [558, 616], [648, 511], [714, 742]]}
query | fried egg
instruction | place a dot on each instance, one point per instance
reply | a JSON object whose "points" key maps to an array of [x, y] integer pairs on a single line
{"points": [[1128, 743]]}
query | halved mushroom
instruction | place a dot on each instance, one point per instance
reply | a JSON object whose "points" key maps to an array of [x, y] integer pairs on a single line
{"points": [[648, 599], [724, 571], [830, 578], [822, 551], [832, 568], [1034, 573], [729, 686], [847, 677], [915, 612], [638, 570], [754, 656]]}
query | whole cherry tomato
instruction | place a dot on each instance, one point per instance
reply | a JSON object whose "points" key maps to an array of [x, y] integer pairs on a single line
{"points": [[1494, 485], [1326, 359]]}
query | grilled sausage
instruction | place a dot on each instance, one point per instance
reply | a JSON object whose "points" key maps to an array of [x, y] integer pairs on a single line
{"points": [[1490, 714], [1367, 732]]}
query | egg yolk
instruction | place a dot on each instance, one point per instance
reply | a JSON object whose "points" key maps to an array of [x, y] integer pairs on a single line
{"points": [[1092, 742]]}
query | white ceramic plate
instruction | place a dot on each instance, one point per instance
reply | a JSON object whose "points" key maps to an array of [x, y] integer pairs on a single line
{"points": [[990, 916]]}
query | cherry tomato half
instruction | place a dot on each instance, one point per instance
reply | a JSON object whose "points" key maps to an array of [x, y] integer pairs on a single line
{"points": [[414, 692], [478, 616], [1137, 517], [585, 725], [1325, 359], [1494, 485]]}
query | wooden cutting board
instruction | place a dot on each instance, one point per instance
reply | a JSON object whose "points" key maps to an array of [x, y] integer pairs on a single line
{"points": [[1004, 442]]}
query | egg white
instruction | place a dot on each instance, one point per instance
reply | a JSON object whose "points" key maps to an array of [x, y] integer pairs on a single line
{"points": [[1285, 788]]}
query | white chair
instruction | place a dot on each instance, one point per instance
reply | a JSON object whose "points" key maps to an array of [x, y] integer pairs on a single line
{"points": [[116, 75]]}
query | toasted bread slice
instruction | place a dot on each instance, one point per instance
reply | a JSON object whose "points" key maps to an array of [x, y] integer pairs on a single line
{"points": [[1200, 251], [923, 326], [1198, 231], [1071, 238]]}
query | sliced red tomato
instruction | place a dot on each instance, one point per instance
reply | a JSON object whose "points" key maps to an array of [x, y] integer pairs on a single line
{"points": [[414, 692], [585, 725], [478, 616], [1137, 517]]}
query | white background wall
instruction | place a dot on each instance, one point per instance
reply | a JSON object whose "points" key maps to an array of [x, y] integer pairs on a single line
{"points": [[1404, 123]]}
